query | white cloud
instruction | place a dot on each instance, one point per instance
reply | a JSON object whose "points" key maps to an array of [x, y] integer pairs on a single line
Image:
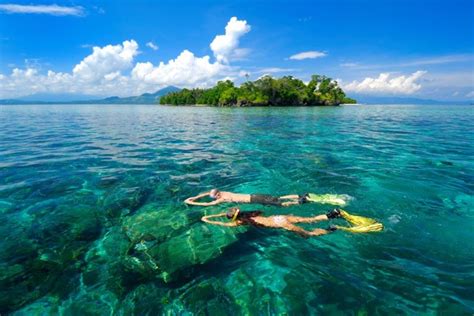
{"points": [[470, 94], [152, 45], [225, 47], [112, 70], [42, 9], [273, 70], [106, 60], [185, 70], [349, 65], [308, 55], [432, 60], [437, 60], [384, 83]]}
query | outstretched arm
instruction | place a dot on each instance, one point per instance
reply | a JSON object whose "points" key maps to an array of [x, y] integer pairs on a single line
{"points": [[192, 200], [207, 220]]}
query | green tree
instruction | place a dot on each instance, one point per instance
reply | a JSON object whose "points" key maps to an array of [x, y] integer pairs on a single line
{"points": [[266, 91]]}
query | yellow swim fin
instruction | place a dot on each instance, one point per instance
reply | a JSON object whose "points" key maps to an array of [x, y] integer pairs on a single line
{"points": [[360, 224], [357, 220], [377, 227], [333, 199]]}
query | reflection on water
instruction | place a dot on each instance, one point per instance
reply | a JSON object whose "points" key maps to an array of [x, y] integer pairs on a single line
{"points": [[93, 219]]}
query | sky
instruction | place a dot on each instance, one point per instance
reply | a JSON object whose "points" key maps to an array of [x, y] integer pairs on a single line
{"points": [[405, 48]]}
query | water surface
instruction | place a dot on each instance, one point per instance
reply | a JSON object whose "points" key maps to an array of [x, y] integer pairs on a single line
{"points": [[92, 219]]}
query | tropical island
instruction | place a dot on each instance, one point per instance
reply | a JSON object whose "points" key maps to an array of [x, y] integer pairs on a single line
{"points": [[266, 91]]}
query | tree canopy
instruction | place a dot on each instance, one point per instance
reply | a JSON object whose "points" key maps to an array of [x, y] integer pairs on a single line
{"points": [[266, 91]]}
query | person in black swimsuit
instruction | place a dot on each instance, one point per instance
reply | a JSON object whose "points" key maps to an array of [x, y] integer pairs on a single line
{"points": [[287, 222]]}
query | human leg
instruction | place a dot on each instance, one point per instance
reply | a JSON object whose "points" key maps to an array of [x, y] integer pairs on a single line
{"points": [[305, 233], [312, 219]]}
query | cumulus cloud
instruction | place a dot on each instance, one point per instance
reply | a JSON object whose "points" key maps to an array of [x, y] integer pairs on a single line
{"points": [[186, 69], [112, 70], [106, 60], [152, 45], [42, 9], [308, 55], [225, 47], [385, 83]]}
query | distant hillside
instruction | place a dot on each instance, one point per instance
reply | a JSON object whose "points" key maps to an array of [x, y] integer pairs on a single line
{"points": [[146, 98], [57, 97], [368, 99]]}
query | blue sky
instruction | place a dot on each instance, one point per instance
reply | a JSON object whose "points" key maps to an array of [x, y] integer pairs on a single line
{"points": [[403, 48]]}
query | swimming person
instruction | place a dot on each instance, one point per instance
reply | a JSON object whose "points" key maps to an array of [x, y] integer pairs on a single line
{"points": [[286, 200], [288, 222]]}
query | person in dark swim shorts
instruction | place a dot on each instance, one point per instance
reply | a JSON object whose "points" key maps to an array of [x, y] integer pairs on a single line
{"points": [[230, 197]]}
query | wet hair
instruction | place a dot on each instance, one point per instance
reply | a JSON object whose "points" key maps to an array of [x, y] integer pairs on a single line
{"points": [[213, 193], [245, 217]]}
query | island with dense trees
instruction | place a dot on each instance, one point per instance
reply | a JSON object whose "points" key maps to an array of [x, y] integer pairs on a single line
{"points": [[266, 91]]}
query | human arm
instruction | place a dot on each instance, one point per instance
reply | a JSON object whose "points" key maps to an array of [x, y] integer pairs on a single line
{"points": [[207, 220], [192, 200]]}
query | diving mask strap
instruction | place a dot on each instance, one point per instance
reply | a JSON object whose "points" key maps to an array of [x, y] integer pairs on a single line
{"points": [[235, 215]]}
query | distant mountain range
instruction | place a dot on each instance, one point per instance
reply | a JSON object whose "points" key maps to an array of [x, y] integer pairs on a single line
{"points": [[146, 98], [153, 98], [368, 99]]}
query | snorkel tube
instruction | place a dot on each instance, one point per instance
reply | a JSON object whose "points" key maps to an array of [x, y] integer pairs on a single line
{"points": [[236, 213], [233, 216]]}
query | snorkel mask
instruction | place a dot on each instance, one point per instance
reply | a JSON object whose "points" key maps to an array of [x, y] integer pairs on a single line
{"points": [[233, 217]]}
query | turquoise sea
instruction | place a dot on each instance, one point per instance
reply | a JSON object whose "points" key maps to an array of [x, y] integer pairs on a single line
{"points": [[92, 220]]}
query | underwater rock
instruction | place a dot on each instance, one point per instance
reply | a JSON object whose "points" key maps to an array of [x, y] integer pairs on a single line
{"points": [[15, 260], [197, 246], [163, 243], [256, 295], [91, 302], [208, 297], [67, 222], [145, 299], [104, 262], [48, 305], [45, 254], [121, 200], [153, 223]]}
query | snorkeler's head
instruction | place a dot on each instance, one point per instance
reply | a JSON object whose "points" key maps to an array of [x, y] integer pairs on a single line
{"points": [[214, 193], [233, 213]]}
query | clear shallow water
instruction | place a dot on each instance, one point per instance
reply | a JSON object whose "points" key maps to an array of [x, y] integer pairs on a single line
{"points": [[92, 219]]}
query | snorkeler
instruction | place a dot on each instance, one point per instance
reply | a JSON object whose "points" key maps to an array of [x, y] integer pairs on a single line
{"points": [[287, 222], [286, 200]]}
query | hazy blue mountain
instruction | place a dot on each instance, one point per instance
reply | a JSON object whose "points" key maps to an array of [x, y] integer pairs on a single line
{"points": [[368, 99], [57, 97], [152, 98], [146, 98]]}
